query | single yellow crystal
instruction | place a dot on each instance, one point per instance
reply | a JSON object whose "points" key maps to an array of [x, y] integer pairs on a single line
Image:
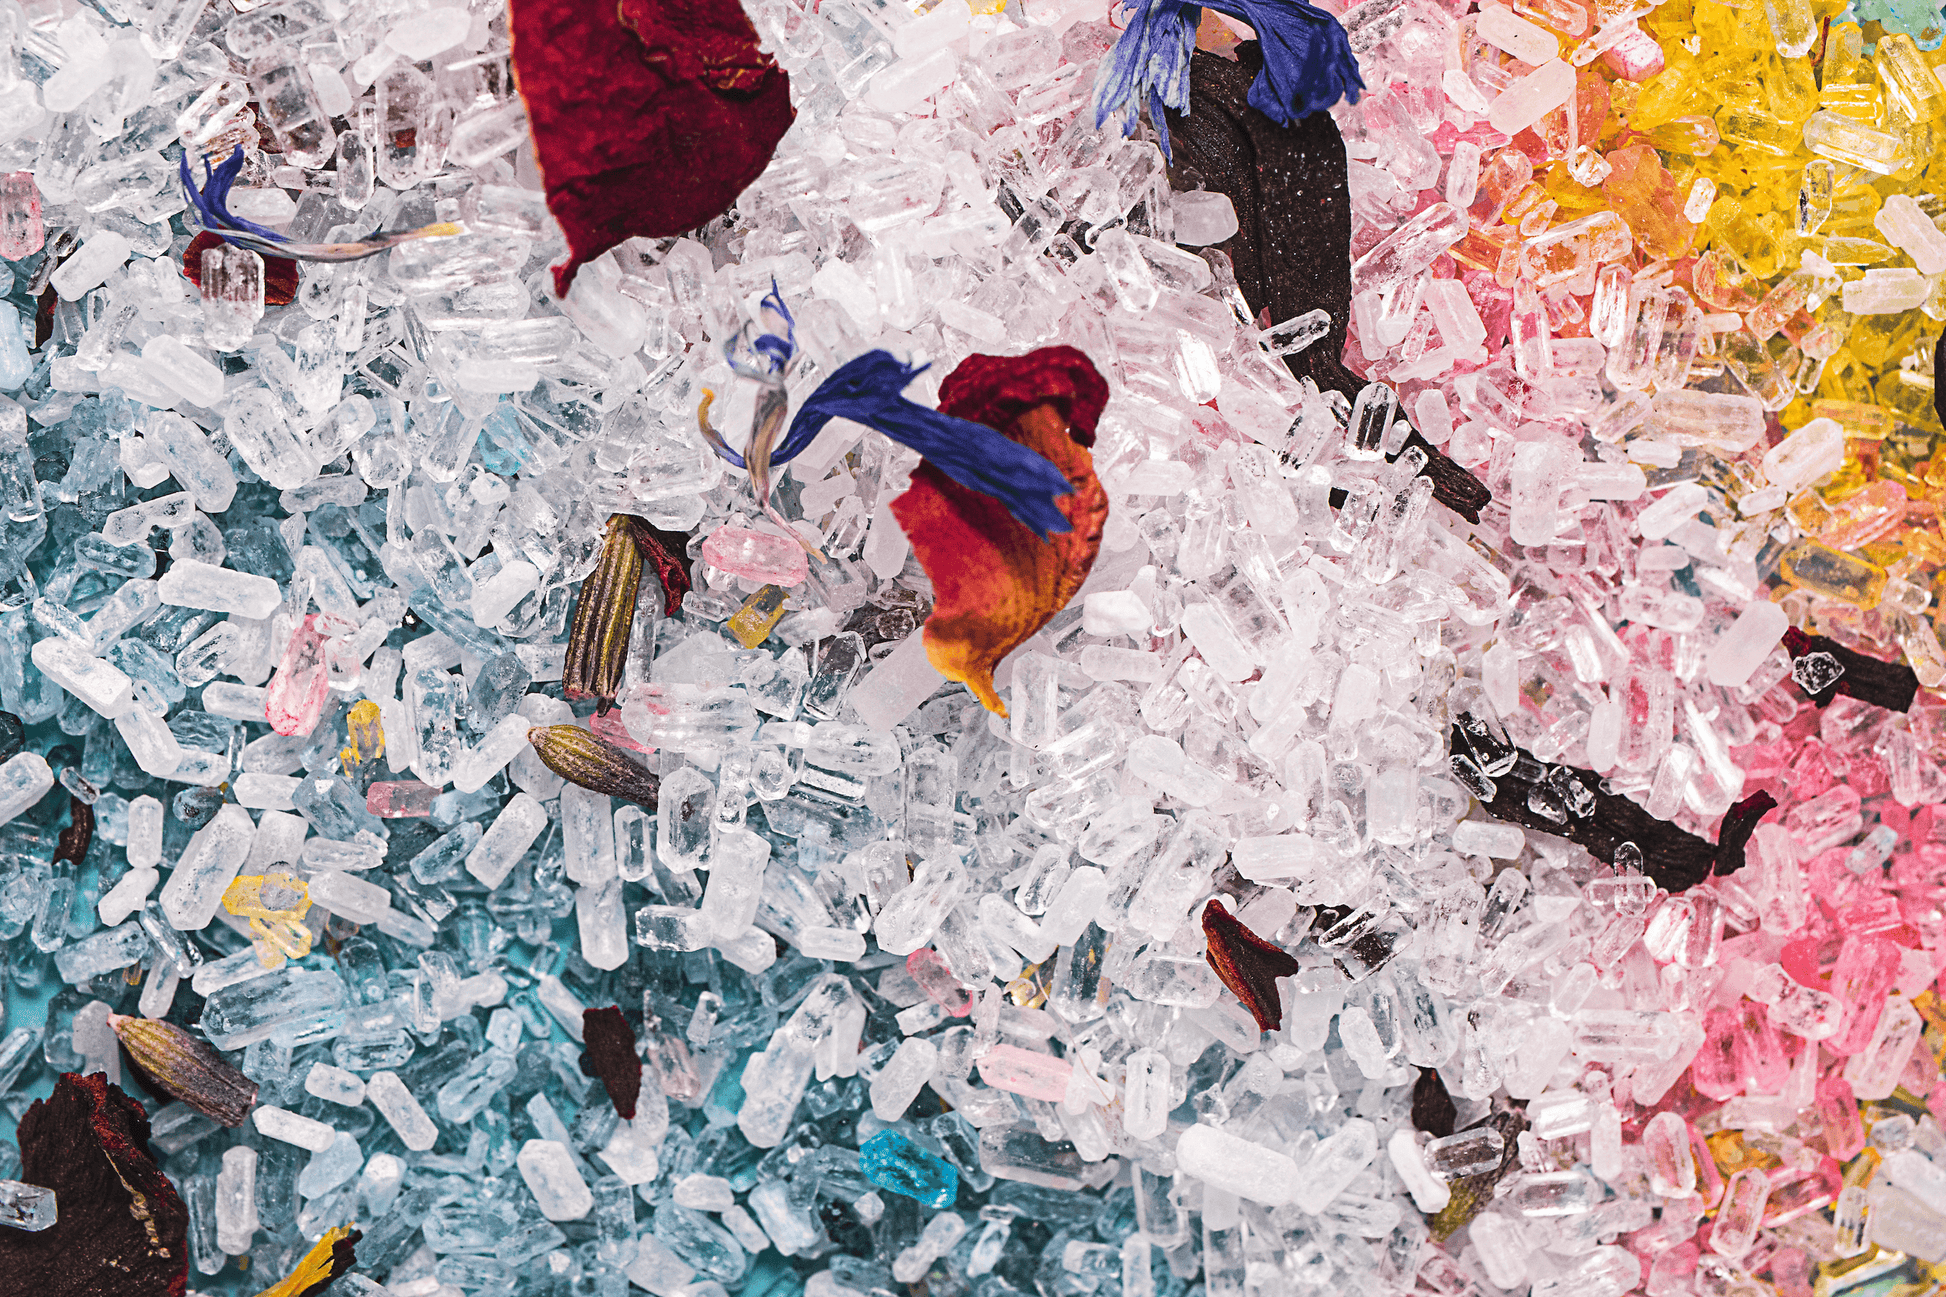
{"points": [[761, 612], [364, 737]]}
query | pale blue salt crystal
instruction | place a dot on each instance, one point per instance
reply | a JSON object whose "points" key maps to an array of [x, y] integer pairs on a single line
{"points": [[28, 1207]]}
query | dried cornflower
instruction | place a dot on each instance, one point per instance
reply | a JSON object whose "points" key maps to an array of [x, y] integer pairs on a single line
{"points": [[186, 1068]]}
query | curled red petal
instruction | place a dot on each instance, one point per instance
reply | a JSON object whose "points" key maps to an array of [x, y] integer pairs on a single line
{"points": [[121, 1227], [1248, 965], [994, 582], [649, 117], [608, 1053], [280, 273]]}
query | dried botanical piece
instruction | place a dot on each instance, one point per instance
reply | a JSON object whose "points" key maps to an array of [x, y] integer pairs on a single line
{"points": [[123, 1229], [1248, 965], [186, 1068], [594, 763], [608, 1053], [604, 608], [1472, 1193], [649, 118], [1001, 571], [1739, 822], [212, 209], [78, 835], [280, 273], [1891, 685], [331, 1257]]}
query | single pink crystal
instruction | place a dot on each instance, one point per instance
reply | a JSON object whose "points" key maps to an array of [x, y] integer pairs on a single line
{"points": [[1024, 1072], [937, 981], [21, 231], [298, 689], [400, 799], [756, 555]]}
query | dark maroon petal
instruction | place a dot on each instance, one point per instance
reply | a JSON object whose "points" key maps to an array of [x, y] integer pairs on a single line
{"points": [[1739, 822], [121, 1227], [1891, 685], [608, 1054]]}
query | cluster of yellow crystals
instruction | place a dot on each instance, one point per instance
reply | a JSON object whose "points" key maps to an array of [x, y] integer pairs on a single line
{"points": [[1788, 158], [276, 905]]}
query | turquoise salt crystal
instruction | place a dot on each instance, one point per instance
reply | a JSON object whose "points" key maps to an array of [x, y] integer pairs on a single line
{"points": [[892, 1161]]}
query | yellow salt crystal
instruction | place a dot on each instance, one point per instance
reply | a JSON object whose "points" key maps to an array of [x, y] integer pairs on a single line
{"points": [[1858, 419], [1756, 129], [268, 896], [1910, 83], [1824, 571], [1643, 193], [761, 612], [364, 735]]}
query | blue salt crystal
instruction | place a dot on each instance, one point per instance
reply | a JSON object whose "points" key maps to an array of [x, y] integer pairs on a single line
{"points": [[892, 1161]]}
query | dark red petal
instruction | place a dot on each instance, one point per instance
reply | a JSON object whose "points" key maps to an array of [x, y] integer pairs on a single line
{"points": [[994, 581], [668, 553], [121, 1226], [649, 116], [1248, 965], [1739, 822], [280, 273], [608, 1053]]}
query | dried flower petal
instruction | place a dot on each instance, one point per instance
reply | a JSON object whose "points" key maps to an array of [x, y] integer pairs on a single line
{"points": [[331, 1257], [1891, 685], [1739, 822], [648, 118], [186, 1068], [78, 835], [994, 581], [1248, 965], [1432, 1107], [608, 1053], [123, 1229], [592, 762]]}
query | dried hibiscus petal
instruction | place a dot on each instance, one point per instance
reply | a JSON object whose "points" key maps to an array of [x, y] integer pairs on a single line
{"points": [[649, 116], [1248, 965], [608, 1054], [995, 582], [122, 1227]]}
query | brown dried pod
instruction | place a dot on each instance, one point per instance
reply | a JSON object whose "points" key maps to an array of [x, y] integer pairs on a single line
{"points": [[78, 836], [186, 1068], [604, 609], [594, 763]]}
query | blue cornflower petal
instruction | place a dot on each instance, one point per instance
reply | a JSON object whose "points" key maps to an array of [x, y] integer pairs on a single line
{"points": [[867, 390], [212, 200], [1308, 63]]}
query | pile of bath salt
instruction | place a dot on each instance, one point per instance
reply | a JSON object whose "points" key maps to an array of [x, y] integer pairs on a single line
{"points": [[923, 995]]}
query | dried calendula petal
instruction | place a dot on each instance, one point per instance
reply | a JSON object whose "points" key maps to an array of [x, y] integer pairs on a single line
{"points": [[331, 1257], [594, 763], [994, 581], [186, 1068]]}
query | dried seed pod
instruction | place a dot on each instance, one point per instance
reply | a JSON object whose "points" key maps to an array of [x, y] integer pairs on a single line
{"points": [[186, 1068], [594, 763], [604, 613]]}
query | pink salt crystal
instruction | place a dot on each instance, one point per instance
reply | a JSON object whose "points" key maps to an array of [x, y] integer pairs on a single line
{"points": [[22, 232], [756, 556], [1844, 1133], [400, 799], [1862, 977], [297, 690], [610, 727], [930, 971], [1635, 57], [1026, 1073]]}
